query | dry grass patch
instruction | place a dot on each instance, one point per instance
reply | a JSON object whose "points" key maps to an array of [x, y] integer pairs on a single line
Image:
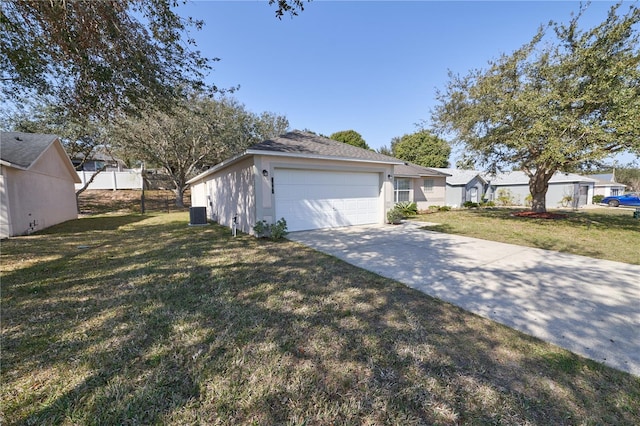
{"points": [[161, 323]]}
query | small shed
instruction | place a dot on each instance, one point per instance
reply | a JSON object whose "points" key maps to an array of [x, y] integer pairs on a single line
{"points": [[36, 183]]}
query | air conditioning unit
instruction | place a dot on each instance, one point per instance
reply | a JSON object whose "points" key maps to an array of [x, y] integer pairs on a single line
{"points": [[197, 216]]}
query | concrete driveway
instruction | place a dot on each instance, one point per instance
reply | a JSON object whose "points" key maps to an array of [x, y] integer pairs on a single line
{"points": [[588, 306]]}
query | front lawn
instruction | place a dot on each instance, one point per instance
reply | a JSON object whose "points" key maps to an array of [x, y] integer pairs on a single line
{"points": [[602, 233], [144, 320]]}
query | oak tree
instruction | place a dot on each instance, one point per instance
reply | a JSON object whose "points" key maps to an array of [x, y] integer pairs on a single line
{"points": [[197, 134], [568, 97], [422, 148]]}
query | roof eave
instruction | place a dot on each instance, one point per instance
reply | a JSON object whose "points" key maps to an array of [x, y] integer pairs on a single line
{"points": [[319, 157], [217, 167]]}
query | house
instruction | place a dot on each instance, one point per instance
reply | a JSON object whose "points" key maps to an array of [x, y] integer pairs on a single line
{"points": [[565, 189], [310, 181], [422, 185], [463, 186], [606, 185], [36, 183]]}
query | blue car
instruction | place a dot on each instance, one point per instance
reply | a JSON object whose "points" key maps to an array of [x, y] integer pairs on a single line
{"points": [[630, 199]]}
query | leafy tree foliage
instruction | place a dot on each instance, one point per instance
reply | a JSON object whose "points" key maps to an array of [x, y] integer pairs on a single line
{"points": [[199, 133], [385, 150], [350, 137], [79, 136], [566, 98], [630, 177], [99, 56], [422, 148]]}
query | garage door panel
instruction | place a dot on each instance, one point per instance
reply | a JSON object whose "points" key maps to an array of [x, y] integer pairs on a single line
{"points": [[323, 199]]}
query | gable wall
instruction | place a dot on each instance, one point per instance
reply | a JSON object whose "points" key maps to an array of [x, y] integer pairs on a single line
{"points": [[229, 192], [36, 200]]}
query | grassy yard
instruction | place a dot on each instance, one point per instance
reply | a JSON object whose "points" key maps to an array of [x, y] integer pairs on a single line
{"points": [[144, 320], [603, 233]]}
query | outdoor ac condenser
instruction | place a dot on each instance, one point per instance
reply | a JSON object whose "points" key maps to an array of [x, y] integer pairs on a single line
{"points": [[197, 216]]}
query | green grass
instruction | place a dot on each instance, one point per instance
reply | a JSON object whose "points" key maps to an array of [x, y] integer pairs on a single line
{"points": [[144, 320], [602, 233]]}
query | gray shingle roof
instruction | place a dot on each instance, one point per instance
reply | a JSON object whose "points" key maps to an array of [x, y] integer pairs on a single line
{"points": [[520, 178], [414, 170], [459, 176], [307, 144], [22, 149]]}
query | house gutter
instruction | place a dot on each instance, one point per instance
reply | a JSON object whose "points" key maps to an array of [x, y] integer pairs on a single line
{"points": [[249, 152]]}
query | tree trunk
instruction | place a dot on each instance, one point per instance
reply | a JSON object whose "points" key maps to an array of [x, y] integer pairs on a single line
{"points": [[179, 191], [538, 186], [86, 185]]}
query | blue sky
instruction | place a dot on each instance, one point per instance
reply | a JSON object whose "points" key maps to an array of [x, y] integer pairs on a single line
{"points": [[370, 66]]}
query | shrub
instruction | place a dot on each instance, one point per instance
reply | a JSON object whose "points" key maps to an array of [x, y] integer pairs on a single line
{"points": [[279, 229], [488, 204], [597, 199], [274, 231], [407, 208], [394, 215], [528, 201], [470, 205], [444, 208], [505, 197]]}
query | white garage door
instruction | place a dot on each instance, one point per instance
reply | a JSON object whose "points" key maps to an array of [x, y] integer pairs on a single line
{"points": [[326, 199]]}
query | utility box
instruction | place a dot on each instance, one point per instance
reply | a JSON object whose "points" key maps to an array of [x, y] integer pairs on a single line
{"points": [[197, 216]]}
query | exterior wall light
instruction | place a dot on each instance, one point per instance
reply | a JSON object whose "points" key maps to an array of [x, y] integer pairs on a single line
{"points": [[265, 173]]}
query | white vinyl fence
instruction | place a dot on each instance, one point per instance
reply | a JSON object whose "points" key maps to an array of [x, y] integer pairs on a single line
{"points": [[131, 179]]}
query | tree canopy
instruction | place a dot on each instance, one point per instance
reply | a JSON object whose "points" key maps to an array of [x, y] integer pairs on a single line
{"points": [[350, 137], [79, 136], [200, 133], [568, 97], [422, 148], [99, 56]]}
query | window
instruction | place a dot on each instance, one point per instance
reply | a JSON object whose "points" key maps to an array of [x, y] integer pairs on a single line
{"points": [[401, 186], [428, 185], [615, 191]]}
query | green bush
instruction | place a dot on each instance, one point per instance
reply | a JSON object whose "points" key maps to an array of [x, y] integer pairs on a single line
{"points": [[505, 197], [444, 208], [597, 199], [394, 215], [488, 204], [274, 231], [279, 229], [407, 208], [470, 205]]}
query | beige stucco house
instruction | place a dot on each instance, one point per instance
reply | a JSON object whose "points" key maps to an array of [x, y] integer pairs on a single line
{"points": [[310, 181], [36, 183], [421, 185]]}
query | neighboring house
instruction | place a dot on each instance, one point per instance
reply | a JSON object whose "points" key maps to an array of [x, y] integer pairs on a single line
{"points": [[112, 173], [36, 183], [310, 181], [606, 185], [422, 185], [463, 186], [99, 158], [565, 189]]}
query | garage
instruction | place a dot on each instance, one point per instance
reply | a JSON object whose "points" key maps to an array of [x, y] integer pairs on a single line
{"points": [[312, 199], [311, 181]]}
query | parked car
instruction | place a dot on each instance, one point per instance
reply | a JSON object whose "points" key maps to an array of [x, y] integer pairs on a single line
{"points": [[630, 199]]}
